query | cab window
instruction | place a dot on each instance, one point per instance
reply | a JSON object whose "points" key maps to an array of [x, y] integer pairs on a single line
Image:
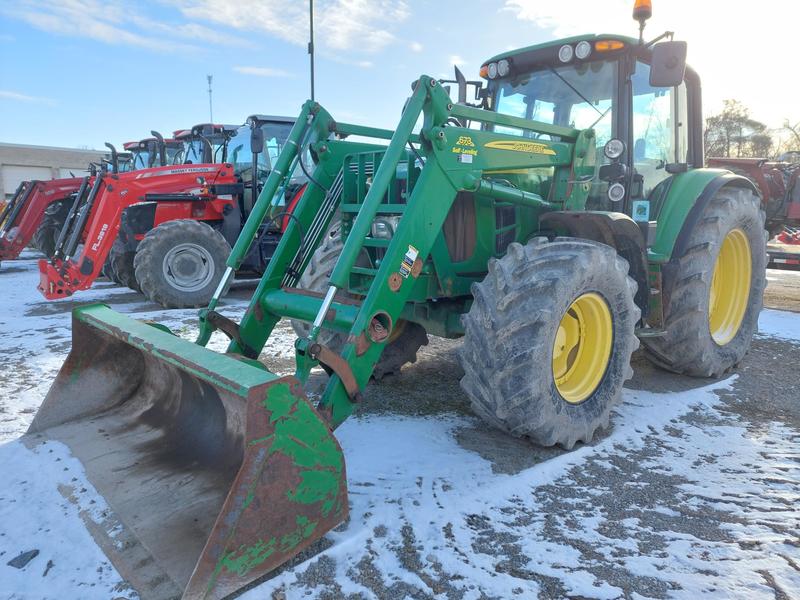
{"points": [[660, 132]]}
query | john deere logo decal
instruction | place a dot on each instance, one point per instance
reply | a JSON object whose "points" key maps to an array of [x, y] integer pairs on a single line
{"points": [[528, 147]]}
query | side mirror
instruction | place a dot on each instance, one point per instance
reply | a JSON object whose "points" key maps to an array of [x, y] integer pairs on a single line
{"points": [[668, 64], [256, 140]]}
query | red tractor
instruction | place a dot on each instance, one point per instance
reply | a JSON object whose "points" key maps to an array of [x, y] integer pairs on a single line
{"points": [[778, 183], [168, 230], [38, 209]]}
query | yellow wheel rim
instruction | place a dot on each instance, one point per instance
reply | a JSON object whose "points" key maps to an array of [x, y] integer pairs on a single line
{"points": [[582, 348], [730, 287]]}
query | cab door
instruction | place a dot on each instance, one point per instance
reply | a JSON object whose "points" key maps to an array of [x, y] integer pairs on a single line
{"points": [[659, 128]]}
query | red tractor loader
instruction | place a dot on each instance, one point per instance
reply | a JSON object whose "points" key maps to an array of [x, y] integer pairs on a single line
{"points": [[38, 209], [176, 224]]}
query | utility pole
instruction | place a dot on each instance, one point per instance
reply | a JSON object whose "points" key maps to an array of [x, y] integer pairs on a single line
{"points": [[210, 109], [311, 42]]}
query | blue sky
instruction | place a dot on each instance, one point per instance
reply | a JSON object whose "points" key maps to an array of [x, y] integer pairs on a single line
{"points": [[77, 73]]}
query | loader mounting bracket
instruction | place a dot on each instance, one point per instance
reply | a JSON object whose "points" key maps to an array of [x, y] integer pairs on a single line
{"points": [[338, 365], [331, 362], [231, 329]]}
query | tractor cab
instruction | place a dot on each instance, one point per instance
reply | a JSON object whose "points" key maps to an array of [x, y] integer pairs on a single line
{"points": [[274, 133], [147, 152], [125, 160], [253, 152], [204, 143], [640, 98]]}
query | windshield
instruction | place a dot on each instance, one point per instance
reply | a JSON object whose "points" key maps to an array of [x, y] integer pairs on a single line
{"points": [[174, 154], [192, 152], [141, 160], [125, 164], [578, 96], [275, 136]]}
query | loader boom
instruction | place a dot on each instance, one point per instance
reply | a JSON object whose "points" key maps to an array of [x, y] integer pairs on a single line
{"points": [[26, 209]]}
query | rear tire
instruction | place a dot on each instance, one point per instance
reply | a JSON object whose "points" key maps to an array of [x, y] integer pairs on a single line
{"points": [[528, 346], [179, 264], [408, 337], [689, 346], [122, 269]]}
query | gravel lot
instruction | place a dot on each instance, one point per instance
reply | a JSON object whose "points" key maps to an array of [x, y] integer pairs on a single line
{"points": [[692, 492]]}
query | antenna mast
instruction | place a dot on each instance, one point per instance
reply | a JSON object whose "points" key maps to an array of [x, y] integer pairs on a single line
{"points": [[311, 42], [210, 108]]}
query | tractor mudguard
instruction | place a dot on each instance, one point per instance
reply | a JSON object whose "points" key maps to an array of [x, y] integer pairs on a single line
{"points": [[614, 229], [231, 222], [215, 470], [684, 197]]}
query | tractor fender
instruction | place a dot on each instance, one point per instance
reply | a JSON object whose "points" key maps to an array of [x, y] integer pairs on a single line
{"points": [[685, 196], [231, 222], [614, 229]]}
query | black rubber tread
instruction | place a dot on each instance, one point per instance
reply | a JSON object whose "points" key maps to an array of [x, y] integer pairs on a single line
{"points": [[122, 270], [45, 236], [150, 255], [316, 277], [688, 347], [511, 327], [107, 272]]}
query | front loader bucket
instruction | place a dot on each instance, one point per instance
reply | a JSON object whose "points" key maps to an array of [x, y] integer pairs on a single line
{"points": [[216, 471]]}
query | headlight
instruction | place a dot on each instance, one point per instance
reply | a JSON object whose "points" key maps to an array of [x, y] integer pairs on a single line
{"points": [[492, 70], [503, 67], [614, 148], [565, 53], [583, 49], [616, 192], [384, 227]]}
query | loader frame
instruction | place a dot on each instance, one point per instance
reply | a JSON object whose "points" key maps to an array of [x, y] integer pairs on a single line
{"points": [[407, 283]]}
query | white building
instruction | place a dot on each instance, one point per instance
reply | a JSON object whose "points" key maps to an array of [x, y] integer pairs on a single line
{"points": [[20, 162]]}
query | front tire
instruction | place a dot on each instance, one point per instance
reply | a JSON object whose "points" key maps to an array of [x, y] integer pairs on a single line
{"points": [[548, 340], [46, 235], [717, 290], [122, 268], [180, 263]]}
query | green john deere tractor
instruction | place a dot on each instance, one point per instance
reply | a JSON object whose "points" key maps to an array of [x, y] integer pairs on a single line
{"points": [[554, 223]]}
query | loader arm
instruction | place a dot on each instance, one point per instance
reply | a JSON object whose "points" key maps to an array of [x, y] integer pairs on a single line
{"points": [[446, 171], [26, 210]]}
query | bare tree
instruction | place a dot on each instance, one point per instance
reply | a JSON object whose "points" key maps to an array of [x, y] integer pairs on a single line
{"points": [[793, 143], [733, 133]]}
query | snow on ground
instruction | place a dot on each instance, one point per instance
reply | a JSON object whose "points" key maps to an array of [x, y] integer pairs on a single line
{"points": [[412, 483], [43, 501], [779, 324], [681, 499]]}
